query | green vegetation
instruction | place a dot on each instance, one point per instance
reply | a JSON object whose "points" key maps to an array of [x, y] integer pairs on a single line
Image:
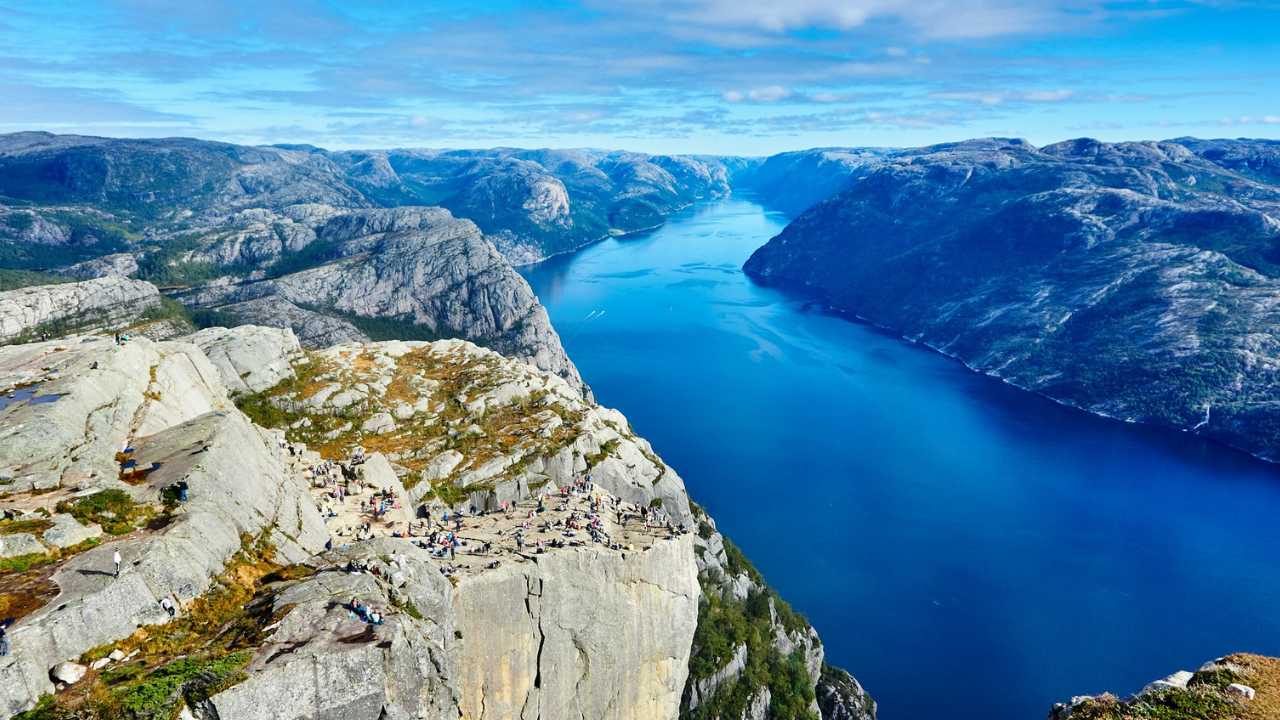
{"points": [[58, 328], [166, 263], [14, 279], [726, 624], [113, 509], [723, 626], [186, 661], [34, 527], [23, 563], [314, 254], [1201, 704]]}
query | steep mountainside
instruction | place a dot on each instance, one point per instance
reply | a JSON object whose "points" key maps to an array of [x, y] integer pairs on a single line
{"points": [[433, 531], [406, 272], [1137, 280]]}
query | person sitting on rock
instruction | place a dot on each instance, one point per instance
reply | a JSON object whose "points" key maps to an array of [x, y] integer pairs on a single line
{"points": [[4, 639], [168, 606]]}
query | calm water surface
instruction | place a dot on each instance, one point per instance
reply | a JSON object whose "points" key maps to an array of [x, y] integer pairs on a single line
{"points": [[966, 549]]}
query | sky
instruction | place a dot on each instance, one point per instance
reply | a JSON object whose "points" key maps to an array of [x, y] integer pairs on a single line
{"points": [[746, 77]]}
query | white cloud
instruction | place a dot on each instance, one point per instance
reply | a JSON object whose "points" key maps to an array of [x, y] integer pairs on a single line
{"points": [[929, 18], [767, 94]]}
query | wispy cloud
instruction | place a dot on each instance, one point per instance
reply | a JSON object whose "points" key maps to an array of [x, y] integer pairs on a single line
{"points": [[587, 71]]}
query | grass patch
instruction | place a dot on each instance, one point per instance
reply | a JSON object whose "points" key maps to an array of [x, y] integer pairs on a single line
{"points": [[113, 509], [23, 563], [33, 527], [186, 661]]}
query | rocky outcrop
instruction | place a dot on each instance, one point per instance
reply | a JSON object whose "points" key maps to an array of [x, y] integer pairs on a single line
{"points": [[313, 329], [165, 406], [468, 427], [1228, 688], [772, 649], [249, 358], [1133, 280], [841, 697], [412, 272], [99, 304], [117, 265], [565, 625]]}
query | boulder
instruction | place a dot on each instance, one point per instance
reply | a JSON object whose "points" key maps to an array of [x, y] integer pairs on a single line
{"points": [[1243, 692], [249, 358], [1176, 681], [68, 531], [16, 544], [68, 673]]}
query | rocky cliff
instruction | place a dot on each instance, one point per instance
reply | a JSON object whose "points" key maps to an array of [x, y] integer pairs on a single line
{"points": [[1134, 280], [571, 578], [101, 304]]}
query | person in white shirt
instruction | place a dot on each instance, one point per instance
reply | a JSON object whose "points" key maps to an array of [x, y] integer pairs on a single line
{"points": [[116, 558]]}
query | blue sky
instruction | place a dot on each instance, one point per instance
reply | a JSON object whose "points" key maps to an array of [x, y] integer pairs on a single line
{"points": [[709, 76]]}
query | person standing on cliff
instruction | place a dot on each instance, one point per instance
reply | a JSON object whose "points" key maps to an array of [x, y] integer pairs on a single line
{"points": [[117, 560]]}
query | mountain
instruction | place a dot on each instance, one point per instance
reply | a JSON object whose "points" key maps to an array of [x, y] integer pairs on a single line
{"points": [[334, 245], [1133, 280], [538, 203], [583, 583], [75, 197]]}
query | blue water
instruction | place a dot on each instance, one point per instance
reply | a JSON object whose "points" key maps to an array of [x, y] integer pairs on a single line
{"points": [[966, 549]]}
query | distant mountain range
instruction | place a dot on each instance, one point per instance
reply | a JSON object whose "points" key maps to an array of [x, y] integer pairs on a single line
{"points": [[338, 246], [1135, 280]]}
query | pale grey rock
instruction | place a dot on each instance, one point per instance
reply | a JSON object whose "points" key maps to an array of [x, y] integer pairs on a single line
{"points": [[30, 227], [115, 265], [68, 673], [16, 544], [105, 395], [379, 423], [842, 697], [700, 691], [1243, 692], [583, 632], [238, 485], [93, 304], [1176, 681], [323, 662], [313, 329], [424, 268], [249, 358], [67, 531]]}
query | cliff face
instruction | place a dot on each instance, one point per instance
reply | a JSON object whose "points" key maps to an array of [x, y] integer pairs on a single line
{"points": [[101, 304], [531, 615], [1133, 280]]}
